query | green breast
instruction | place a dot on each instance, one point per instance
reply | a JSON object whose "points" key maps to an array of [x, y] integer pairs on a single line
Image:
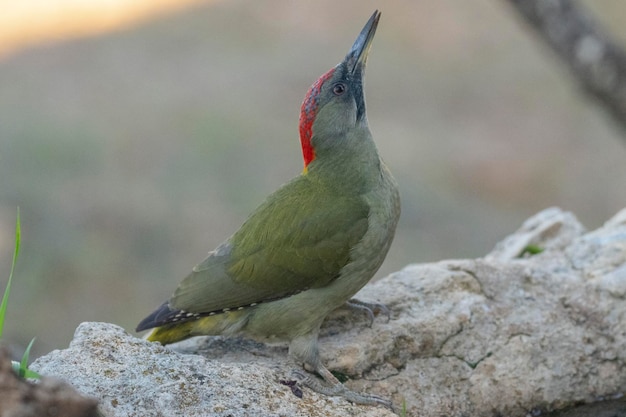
{"points": [[300, 237]]}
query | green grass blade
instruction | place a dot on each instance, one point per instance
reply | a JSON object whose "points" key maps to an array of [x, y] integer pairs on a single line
{"points": [[27, 372], [24, 362], [31, 374], [7, 290]]}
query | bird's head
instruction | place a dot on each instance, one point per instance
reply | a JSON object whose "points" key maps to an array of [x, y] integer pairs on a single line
{"points": [[335, 103]]}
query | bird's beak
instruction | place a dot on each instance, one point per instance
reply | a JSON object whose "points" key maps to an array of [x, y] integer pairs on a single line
{"points": [[357, 56]]}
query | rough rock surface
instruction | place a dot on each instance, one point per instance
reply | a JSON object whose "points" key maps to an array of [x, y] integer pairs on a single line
{"points": [[511, 334], [48, 398]]}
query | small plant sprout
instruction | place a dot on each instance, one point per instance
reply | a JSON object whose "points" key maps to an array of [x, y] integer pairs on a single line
{"points": [[21, 368]]}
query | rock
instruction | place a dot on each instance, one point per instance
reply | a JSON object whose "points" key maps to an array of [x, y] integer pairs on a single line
{"points": [[132, 377], [606, 408], [50, 397], [506, 335]]}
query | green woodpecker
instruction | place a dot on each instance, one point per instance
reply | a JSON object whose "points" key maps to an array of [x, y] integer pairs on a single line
{"points": [[310, 246]]}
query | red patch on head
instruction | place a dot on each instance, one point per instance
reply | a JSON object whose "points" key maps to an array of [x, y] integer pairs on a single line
{"points": [[308, 111]]}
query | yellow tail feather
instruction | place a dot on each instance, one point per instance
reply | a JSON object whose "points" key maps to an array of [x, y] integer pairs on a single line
{"points": [[224, 324]]}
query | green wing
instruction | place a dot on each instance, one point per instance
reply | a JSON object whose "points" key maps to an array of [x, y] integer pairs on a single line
{"points": [[299, 238]]}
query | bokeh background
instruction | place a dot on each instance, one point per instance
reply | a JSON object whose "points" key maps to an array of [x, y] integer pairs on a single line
{"points": [[136, 136]]}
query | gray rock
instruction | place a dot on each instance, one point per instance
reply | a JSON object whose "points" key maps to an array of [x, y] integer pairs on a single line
{"points": [[509, 334]]}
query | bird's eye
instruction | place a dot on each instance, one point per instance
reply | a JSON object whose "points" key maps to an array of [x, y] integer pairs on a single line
{"points": [[339, 89]]}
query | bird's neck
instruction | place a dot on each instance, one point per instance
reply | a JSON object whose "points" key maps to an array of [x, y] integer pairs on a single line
{"points": [[354, 165]]}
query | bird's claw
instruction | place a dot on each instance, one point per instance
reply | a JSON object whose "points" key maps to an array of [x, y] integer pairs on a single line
{"points": [[307, 380], [369, 308]]}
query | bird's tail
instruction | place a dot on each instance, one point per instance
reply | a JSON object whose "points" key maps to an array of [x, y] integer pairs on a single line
{"points": [[219, 324]]}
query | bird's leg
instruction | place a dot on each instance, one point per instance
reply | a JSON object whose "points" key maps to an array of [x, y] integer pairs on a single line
{"points": [[369, 308], [304, 350]]}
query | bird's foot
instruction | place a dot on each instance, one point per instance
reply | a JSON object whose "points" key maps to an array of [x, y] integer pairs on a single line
{"points": [[369, 308], [338, 389]]}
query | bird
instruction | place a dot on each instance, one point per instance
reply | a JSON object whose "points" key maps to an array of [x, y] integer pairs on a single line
{"points": [[309, 247]]}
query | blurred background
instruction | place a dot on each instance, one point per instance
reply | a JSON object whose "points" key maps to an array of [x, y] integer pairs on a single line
{"points": [[136, 136]]}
